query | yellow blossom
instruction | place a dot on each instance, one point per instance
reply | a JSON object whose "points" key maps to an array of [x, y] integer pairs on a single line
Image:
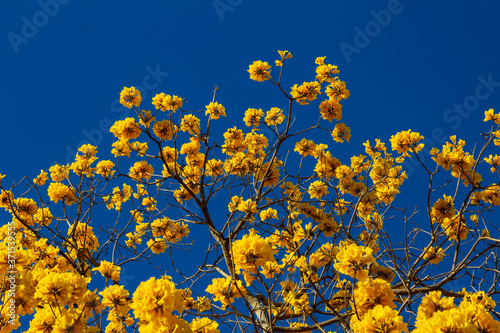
{"points": [[41, 178], [130, 97], [259, 71], [109, 270]]}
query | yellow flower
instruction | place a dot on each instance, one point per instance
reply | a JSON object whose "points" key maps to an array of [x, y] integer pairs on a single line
{"points": [[353, 259], [250, 253], [146, 118], [233, 205], [121, 148], [58, 172], [432, 303], [214, 168], [305, 147], [43, 216], [140, 170], [379, 319], [248, 206], [157, 245], [493, 160], [443, 208], [376, 151], [169, 154], [130, 97], [274, 116], [252, 117], [308, 91], [268, 214], [434, 255], [109, 270], [164, 129], [191, 124], [301, 233], [149, 203], [54, 288], [370, 293], [41, 178], [215, 110], [204, 325], [225, 290], [285, 54], [325, 72], [132, 240], [407, 141], [317, 189], [337, 91], [117, 298], [259, 71], [489, 115], [104, 167], [125, 129], [59, 191], [155, 299], [83, 236], [167, 102], [139, 147], [331, 109], [341, 132], [320, 61]]}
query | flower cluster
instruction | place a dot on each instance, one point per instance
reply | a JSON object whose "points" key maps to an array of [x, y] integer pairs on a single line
{"points": [[441, 314], [310, 238], [167, 102], [154, 302], [250, 253], [353, 260]]}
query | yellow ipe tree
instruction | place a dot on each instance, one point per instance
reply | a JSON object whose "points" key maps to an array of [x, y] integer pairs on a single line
{"points": [[297, 239]]}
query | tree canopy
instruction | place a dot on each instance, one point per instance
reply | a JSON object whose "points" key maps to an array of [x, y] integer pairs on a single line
{"points": [[262, 228]]}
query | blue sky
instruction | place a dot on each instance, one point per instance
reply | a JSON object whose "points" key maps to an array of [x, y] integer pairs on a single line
{"points": [[430, 66], [61, 80]]}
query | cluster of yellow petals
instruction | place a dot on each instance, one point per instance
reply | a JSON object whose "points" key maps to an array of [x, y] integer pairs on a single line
{"points": [[41, 178], [82, 238], [225, 290], [105, 168], [252, 117], [109, 270], [434, 254], [407, 141], [306, 92], [58, 191], [250, 253], [284, 56], [204, 325], [446, 216], [167, 102], [154, 302], [259, 71], [164, 130], [274, 116], [341, 132], [141, 170], [126, 129], [130, 97], [379, 319], [461, 163], [441, 314], [215, 110], [353, 260]]}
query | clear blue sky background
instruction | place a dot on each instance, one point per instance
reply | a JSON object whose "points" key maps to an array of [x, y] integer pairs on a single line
{"points": [[64, 65], [60, 81]]}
